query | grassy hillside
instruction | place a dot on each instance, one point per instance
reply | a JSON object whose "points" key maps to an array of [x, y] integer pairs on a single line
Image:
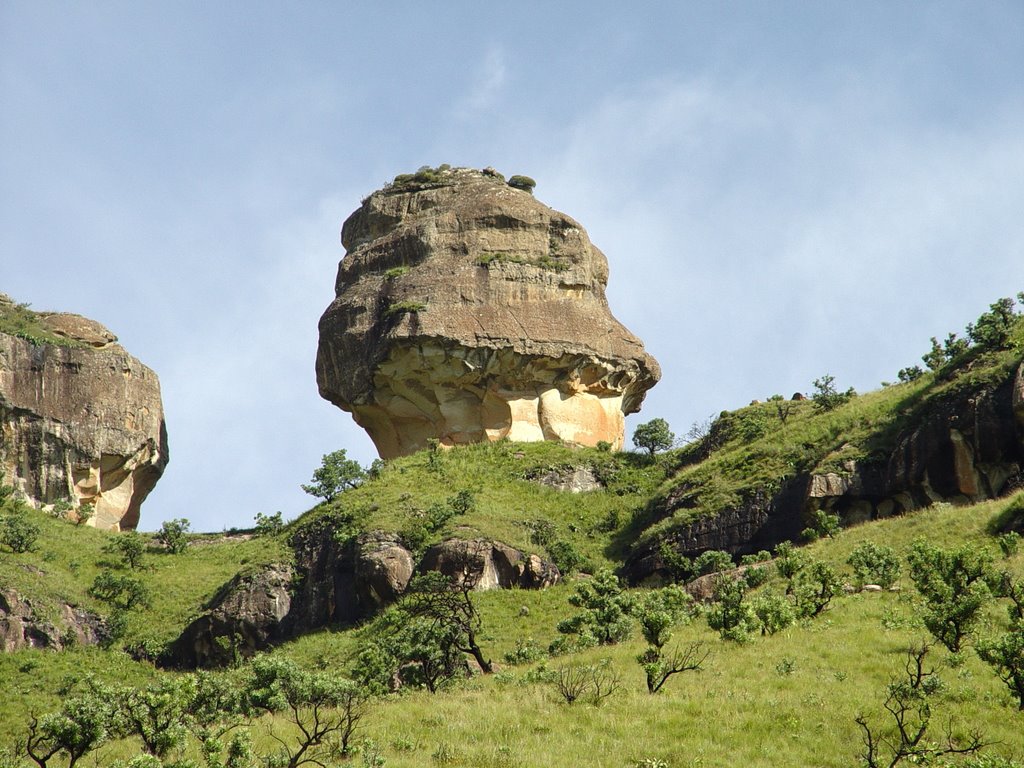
{"points": [[789, 698], [786, 699]]}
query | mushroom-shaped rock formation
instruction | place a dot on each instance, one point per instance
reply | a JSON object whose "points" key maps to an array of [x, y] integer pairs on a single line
{"points": [[468, 311], [81, 420]]}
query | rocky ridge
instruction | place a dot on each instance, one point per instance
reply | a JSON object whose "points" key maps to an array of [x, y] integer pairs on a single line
{"points": [[959, 449], [465, 311], [338, 583], [81, 420]]}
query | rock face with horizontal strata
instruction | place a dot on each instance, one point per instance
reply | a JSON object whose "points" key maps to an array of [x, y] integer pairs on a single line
{"points": [[82, 424], [467, 311]]}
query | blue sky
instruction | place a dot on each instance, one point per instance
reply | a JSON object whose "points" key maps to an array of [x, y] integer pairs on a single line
{"points": [[782, 189]]}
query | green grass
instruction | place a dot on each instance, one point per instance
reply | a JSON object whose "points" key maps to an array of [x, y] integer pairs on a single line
{"points": [[67, 558], [743, 708], [740, 710], [18, 320], [506, 501], [760, 447], [404, 308]]}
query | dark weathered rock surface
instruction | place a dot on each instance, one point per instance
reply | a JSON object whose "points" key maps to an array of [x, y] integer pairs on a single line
{"points": [[21, 627], [244, 617], [80, 424], [571, 479], [489, 565], [336, 583], [964, 448], [468, 311]]}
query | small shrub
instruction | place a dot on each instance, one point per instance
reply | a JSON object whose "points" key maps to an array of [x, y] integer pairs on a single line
{"points": [[826, 397], [758, 557], [786, 667], [173, 534], [756, 576], [394, 272], [524, 183], [84, 513], [822, 524], [526, 652], [912, 373], [816, 586], [773, 612], [954, 585], [874, 564], [678, 566], [565, 556], [592, 683], [120, 591], [730, 615], [712, 561], [605, 615], [129, 546], [404, 308], [653, 436], [336, 474], [18, 531], [789, 562], [542, 532], [993, 329], [269, 525], [1009, 543]]}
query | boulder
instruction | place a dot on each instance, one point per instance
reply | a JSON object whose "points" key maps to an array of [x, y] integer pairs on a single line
{"points": [[378, 569], [21, 627], [570, 479], [468, 311], [244, 617], [80, 422], [489, 565], [335, 583]]}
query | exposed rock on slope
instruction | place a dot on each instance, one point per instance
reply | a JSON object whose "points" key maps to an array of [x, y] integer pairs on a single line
{"points": [[337, 583], [81, 421], [467, 311], [21, 627], [960, 448], [245, 617]]}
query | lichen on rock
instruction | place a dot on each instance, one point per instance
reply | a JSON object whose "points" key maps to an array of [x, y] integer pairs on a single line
{"points": [[468, 311]]}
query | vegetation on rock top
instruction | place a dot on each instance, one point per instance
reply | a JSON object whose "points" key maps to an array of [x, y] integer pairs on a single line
{"points": [[21, 321]]}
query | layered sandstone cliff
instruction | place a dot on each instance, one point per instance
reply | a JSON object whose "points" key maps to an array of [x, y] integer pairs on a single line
{"points": [[468, 311], [81, 420]]}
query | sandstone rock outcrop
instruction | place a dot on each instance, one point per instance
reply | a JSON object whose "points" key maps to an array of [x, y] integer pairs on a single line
{"points": [[468, 311], [337, 583], [345, 582], [80, 422]]}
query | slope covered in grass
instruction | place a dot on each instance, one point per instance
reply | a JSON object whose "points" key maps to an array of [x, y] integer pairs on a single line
{"points": [[786, 699]]}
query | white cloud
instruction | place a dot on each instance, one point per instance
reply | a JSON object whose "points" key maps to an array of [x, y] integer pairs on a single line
{"points": [[488, 83], [760, 237]]}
